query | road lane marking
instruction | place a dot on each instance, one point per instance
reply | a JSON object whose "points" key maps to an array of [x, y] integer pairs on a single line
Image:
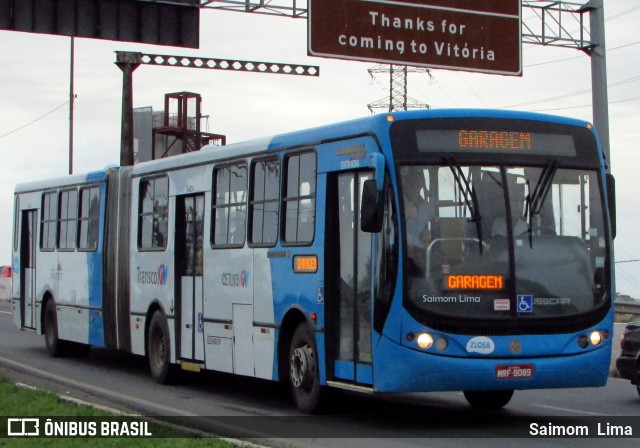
{"points": [[573, 411], [92, 388], [6, 312]]}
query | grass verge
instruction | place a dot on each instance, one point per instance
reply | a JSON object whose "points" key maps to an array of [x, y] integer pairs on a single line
{"points": [[18, 402]]}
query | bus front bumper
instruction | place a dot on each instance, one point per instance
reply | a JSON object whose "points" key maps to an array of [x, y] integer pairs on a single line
{"points": [[416, 371]]}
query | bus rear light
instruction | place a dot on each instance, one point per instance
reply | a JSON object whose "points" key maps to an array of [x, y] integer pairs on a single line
{"points": [[314, 318]]}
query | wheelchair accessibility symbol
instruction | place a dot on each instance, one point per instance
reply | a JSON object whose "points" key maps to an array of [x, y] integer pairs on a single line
{"points": [[525, 304]]}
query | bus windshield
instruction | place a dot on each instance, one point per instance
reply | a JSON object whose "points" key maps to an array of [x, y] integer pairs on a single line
{"points": [[498, 242]]}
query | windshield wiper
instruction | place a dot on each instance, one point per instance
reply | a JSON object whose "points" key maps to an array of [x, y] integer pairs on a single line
{"points": [[535, 200], [470, 197]]}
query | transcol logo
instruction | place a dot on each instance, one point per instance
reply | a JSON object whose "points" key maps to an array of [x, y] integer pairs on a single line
{"points": [[239, 280], [157, 277]]}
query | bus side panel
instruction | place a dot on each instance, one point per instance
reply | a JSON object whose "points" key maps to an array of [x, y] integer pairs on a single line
{"points": [[72, 298], [229, 284], [79, 298], [264, 325], [151, 279]]}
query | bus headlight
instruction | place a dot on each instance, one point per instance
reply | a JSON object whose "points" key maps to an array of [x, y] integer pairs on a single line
{"points": [[425, 340], [596, 338]]}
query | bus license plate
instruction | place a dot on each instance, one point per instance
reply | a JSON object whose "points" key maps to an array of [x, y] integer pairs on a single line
{"points": [[514, 372]]}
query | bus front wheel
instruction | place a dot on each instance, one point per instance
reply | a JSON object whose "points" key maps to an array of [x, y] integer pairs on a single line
{"points": [[159, 349], [303, 370], [488, 399]]}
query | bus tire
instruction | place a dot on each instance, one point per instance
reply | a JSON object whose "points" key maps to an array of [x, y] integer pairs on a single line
{"points": [[304, 379], [55, 346], [488, 399], [159, 349]]}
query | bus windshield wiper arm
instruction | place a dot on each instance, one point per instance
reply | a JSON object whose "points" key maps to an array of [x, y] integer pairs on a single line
{"points": [[535, 200], [470, 197]]}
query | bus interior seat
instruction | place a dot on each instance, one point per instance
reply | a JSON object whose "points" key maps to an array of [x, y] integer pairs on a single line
{"points": [[451, 228]]}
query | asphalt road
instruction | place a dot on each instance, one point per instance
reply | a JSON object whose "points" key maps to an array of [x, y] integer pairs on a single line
{"points": [[262, 410]]}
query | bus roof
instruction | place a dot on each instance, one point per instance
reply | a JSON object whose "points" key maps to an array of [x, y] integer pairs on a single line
{"points": [[76, 179], [376, 124]]}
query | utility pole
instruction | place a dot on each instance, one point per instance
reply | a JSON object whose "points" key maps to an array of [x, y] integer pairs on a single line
{"points": [[127, 62], [72, 97], [599, 94]]}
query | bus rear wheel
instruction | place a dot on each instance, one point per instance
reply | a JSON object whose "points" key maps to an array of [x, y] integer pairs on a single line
{"points": [[488, 399], [304, 379], [55, 346], [159, 349]]}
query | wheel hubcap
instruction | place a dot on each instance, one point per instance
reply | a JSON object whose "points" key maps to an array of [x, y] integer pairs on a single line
{"points": [[300, 365]]}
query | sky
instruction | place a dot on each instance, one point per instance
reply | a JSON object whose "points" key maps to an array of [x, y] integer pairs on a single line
{"points": [[34, 94]]}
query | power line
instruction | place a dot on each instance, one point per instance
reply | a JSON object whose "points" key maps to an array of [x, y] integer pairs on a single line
{"points": [[584, 105], [623, 13], [578, 57], [579, 92], [36, 120]]}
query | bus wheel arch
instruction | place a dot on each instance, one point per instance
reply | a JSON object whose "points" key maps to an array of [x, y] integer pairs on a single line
{"points": [[292, 319]]}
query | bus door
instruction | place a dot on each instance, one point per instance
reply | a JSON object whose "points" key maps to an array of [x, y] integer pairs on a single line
{"points": [[349, 268], [188, 262], [28, 243]]}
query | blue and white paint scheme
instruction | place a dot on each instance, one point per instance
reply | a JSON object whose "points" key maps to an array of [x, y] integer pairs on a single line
{"points": [[292, 258]]}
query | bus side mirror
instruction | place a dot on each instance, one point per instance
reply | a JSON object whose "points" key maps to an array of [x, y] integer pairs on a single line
{"points": [[611, 199], [372, 208]]}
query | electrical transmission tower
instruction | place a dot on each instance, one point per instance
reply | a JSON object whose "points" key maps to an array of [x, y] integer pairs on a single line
{"points": [[398, 99]]}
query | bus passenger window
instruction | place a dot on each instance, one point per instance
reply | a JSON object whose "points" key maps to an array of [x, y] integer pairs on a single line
{"points": [[89, 218], [230, 207], [49, 221], [153, 228], [68, 220], [263, 207], [300, 199]]}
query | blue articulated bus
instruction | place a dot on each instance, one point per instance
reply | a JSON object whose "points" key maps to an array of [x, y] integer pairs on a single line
{"points": [[432, 250]]}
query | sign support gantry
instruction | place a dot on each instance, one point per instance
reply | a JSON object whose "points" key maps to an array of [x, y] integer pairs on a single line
{"points": [[128, 62], [552, 23]]}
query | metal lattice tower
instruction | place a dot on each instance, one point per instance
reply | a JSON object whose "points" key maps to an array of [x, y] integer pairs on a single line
{"points": [[398, 99]]}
